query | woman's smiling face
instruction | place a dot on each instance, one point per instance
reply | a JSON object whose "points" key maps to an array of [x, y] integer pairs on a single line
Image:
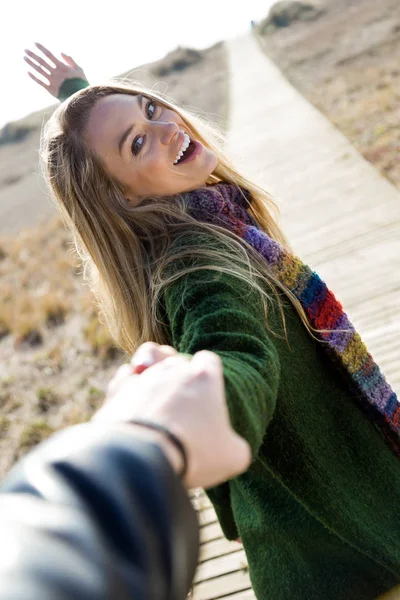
{"points": [[140, 141]]}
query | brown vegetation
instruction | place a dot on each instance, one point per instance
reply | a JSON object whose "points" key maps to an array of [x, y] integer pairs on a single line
{"points": [[345, 62]]}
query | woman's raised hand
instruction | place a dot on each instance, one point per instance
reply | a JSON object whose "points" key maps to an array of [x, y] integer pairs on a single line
{"points": [[53, 70]]}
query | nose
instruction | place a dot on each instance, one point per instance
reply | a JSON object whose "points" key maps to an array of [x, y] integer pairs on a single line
{"points": [[169, 131]]}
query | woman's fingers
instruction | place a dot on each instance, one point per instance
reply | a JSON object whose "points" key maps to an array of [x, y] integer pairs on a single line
{"points": [[147, 355], [37, 59], [150, 353], [49, 55], [37, 68], [70, 61], [39, 81], [204, 360]]}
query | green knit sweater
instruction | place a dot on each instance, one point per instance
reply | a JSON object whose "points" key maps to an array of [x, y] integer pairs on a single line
{"points": [[70, 86], [318, 509]]}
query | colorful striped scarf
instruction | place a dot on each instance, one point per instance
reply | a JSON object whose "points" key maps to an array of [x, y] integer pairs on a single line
{"points": [[224, 205]]}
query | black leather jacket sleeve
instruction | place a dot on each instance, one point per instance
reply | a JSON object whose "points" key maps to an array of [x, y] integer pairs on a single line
{"points": [[92, 514]]}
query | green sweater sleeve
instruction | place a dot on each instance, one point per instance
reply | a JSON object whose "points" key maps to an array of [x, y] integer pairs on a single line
{"points": [[218, 312], [70, 86]]}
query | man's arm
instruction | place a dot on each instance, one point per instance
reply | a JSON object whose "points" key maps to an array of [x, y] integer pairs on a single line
{"points": [[96, 514]]}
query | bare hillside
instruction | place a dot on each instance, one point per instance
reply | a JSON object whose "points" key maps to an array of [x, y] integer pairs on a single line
{"points": [[344, 58]]}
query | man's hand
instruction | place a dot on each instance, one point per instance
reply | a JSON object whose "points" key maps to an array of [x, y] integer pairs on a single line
{"points": [[188, 397], [54, 71]]}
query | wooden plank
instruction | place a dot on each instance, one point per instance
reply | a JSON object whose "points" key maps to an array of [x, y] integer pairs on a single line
{"points": [[221, 586], [210, 532], [206, 516], [243, 595], [218, 547], [366, 310], [221, 565], [200, 501], [195, 492]]}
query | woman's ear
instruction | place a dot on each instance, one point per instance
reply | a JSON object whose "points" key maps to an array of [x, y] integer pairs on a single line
{"points": [[131, 199]]}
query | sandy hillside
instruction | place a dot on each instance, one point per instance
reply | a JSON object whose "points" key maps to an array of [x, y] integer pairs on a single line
{"points": [[344, 59]]}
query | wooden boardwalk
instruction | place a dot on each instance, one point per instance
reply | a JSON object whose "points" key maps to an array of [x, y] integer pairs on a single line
{"points": [[222, 571], [341, 216]]}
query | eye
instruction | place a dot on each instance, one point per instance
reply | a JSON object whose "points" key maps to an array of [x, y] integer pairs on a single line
{"points": [[150, 109], [137, 144]]}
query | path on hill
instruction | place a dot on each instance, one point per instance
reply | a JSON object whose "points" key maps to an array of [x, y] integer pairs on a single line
{"points": [[341, 216]]}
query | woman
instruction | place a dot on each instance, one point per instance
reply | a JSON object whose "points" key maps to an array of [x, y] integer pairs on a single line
{"points": [[183, 250]]}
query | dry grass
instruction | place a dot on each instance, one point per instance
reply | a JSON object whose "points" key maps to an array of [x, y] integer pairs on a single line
{"points": [[38, 284], [4, 425], [47, 398], [33, 434], [95, 398], [42, 286], [100, 339], [346, 64]]}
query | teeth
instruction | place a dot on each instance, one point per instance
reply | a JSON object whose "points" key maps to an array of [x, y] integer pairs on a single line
{"points": [[185, 144]]}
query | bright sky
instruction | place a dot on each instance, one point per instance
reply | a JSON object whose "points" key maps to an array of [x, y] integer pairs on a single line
{"points": [[107, 38]]}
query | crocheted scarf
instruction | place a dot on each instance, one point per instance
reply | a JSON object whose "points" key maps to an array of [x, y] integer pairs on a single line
{"points": [[225, 205]]}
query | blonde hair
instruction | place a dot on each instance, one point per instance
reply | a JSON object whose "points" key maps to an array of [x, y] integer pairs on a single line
{"points": [[126, 249]]}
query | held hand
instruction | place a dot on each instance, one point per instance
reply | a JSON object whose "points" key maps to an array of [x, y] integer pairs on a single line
{"points": [[146, 355], [188, 397], [53, 70]]}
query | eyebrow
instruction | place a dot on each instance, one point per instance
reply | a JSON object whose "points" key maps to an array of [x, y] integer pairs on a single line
{"points": [[128, 131]]}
